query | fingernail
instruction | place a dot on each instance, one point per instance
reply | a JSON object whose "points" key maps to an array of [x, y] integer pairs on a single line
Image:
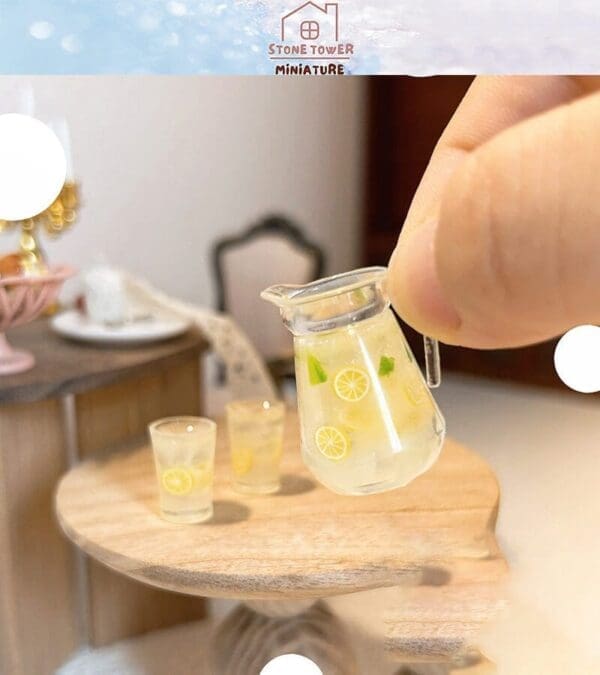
{"points": [[417, 286]]}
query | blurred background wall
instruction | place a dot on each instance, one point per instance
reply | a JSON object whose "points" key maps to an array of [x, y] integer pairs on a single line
{"points": [[170, 164]]}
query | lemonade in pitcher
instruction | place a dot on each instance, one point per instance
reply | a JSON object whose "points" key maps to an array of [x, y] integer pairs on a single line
{"points": [[368, 420]]}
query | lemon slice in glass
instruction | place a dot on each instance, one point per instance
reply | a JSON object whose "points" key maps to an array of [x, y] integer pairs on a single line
{"points": [[351, 384], [331, 443], [177, 481], [277, 453], [202, 475], [241, 461]]}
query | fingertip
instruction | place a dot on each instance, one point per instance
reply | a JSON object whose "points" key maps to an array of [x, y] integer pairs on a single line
{"points": [[415, 288]]}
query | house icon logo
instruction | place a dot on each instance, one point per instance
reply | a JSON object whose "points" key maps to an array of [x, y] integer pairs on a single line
{"points": [[310, 42], [310, 22]]}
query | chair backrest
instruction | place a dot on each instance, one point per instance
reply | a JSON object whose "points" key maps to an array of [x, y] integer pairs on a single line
{"points": [[273, 251]]}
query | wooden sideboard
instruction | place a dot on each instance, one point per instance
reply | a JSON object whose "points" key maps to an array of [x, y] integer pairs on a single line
{"points": [[79, 400]]}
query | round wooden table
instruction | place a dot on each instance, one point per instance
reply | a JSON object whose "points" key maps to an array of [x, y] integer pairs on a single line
{"points": [[281, 553]]}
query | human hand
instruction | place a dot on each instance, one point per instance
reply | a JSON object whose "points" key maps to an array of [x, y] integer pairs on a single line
{"points": [[501, 245]]}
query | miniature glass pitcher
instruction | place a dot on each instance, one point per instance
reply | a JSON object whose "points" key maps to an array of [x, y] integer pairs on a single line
{"points": [[368, 421]]}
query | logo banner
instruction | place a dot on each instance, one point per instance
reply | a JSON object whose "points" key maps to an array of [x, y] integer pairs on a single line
{"points": [[295, 38]]}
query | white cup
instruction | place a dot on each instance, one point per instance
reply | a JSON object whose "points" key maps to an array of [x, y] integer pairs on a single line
{"points": [[105, 295]]}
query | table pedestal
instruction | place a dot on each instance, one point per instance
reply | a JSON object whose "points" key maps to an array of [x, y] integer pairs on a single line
{"points": [[259, 630]]}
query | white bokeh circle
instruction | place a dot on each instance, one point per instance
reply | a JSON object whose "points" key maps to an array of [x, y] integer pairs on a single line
{"points": [[291, 664], [577, 359], [33, 166]]}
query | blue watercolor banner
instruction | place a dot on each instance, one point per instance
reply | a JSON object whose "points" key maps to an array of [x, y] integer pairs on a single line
{"points": [[236, 36], [130, 36], [141, 37]]}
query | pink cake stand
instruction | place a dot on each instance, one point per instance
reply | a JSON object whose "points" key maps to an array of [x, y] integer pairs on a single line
{"points": [[21, 300]]}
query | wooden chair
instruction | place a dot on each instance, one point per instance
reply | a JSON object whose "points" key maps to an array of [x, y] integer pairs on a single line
{"points": [[274, 250]]}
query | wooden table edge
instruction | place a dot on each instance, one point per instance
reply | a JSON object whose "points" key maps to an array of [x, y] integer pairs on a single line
{"points": [[32, 392], [317, 585]]}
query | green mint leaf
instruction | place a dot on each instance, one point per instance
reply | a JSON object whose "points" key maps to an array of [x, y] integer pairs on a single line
{"points": [[386, 365], [316, 373]]}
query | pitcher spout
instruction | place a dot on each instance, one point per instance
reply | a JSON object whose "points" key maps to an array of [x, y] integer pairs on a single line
{"points": [[281, 295], [326, 304]]}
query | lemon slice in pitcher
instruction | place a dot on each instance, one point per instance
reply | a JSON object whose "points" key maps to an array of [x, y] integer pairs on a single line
{"points": [[414, 389], [177, 481], [351, 384], [332, 443], [358, 418]]}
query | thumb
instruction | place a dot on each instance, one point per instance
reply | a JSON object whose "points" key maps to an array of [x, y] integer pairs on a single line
{"points": [[511, 255]]}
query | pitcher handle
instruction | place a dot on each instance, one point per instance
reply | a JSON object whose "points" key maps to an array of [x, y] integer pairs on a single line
{"points": [[433, 370]]}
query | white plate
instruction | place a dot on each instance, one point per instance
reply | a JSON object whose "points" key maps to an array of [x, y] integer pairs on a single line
{"points": [[75, 325]]}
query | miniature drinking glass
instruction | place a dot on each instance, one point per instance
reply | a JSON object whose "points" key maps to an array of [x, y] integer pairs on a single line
{"points": [[256, 441], [184, 453], [368, 421]]}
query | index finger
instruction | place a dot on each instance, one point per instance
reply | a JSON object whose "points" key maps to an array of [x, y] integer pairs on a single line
{"points": [[491, 105]]}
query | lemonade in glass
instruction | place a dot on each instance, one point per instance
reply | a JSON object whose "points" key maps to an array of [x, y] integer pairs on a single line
{"points": [[368, 420], [255, 430], [184, 450]]}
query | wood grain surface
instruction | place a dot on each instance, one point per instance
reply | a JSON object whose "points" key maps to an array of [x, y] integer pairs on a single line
{"points": [[478, 665], [108, 417], [38, 621], [302, 542], [67, 367], [442, 623]]}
